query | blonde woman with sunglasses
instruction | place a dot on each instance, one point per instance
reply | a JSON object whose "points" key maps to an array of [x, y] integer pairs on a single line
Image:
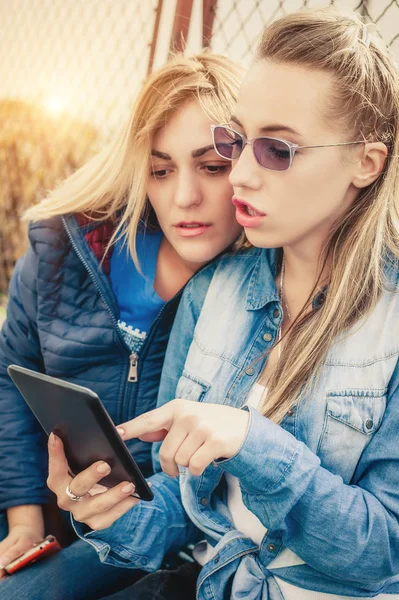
{"points": [[279, 404]]}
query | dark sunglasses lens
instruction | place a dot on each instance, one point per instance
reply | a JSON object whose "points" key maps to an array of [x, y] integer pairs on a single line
{"points": [[272, 154], [227, 142]]}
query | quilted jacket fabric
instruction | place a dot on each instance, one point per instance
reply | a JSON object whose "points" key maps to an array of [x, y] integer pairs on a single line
{"points": [[62, 320]]}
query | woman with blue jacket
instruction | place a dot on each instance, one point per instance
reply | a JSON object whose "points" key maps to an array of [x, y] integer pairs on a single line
{"points": [[279, 402], [85, 309]]}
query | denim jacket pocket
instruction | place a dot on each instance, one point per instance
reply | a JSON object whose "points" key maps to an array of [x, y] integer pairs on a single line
{"points": [[191, 388], [351, 420]]}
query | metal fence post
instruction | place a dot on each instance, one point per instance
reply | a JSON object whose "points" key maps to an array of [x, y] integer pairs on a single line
{"points": [[208, 16], [181, 25], [154, 40]]}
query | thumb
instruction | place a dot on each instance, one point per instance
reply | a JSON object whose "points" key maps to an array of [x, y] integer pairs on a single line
{"points": [[58, 465], [6, 552], [9, 555]]}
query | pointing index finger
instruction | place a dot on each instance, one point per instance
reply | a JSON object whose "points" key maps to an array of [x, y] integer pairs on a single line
{"points": [[149, 422]]}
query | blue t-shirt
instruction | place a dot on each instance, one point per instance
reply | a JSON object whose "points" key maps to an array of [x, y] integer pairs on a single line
{"points": [[139, 304]]}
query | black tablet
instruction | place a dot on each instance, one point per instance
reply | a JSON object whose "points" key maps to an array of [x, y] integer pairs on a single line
{"points": [[77, 416]]}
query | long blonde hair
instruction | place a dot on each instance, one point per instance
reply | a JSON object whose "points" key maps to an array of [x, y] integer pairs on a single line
{"points": [[115, 181], [366, 103]]}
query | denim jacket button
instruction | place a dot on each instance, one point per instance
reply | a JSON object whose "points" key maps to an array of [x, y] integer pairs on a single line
{"points": [[268, 337], [271, 547], [369, 423], [216, 560], [204, 501], [276, 313], [250, 371], [290, 412]]}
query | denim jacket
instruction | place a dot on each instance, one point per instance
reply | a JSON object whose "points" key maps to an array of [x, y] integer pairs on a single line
{"points": [[325, 483]]}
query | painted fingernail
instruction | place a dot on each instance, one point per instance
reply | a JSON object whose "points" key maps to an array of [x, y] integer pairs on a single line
{"points": [[52, 440], [128, 489], [103, 468], [120, 431]]}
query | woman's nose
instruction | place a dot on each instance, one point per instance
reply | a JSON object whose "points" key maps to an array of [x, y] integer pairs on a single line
{"points": [[187, 192], [245, 170]]}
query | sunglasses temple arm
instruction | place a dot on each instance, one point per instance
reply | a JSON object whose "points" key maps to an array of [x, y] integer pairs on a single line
{"points": [[332, 145]]}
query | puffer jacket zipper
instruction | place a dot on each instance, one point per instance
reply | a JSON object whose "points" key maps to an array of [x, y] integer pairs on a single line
{"points": [[133, 357], [133, 371]]}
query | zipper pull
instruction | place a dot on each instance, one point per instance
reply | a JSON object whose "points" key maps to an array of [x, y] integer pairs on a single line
{"points": [[133, 375]]}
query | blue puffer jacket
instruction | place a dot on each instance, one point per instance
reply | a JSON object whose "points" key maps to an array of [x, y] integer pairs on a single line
{"points": [[62, 320]]}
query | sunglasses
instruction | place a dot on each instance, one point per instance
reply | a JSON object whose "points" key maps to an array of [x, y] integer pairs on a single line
{"points": [[270, 153]]}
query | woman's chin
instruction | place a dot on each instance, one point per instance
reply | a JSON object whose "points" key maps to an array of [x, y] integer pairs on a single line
{"points": [[261, 239]]}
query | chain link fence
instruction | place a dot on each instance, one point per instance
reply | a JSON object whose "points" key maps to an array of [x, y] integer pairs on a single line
{"points": [[83, 57], [70, 70], [238, 24]]}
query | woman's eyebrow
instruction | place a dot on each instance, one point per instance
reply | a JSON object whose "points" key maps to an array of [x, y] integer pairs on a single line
{"points": [[162, 155], [235, 120], [201, 151], [279, 127], [195, 153], [271, 128]]}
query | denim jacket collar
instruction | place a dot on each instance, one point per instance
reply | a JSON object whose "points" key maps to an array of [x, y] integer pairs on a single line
{"points": [[262, 287]]}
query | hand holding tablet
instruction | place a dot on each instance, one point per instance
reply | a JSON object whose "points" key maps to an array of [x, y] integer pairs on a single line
{"points": [[76, 415]]}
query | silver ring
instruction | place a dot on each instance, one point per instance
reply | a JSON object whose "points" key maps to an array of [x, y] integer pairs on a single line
{"points": [[71, 495]]}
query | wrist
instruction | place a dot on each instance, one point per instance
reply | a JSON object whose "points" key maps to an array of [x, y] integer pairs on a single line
{"points": [[29, 516]]}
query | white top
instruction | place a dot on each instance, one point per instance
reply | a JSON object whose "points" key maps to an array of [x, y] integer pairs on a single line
{"points": [[245, 521]]}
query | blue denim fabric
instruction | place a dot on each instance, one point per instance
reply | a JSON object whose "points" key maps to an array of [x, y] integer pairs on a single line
{"points": [[165, 534], [174, 584], [57, 577], [325, 483], [3, 525]]}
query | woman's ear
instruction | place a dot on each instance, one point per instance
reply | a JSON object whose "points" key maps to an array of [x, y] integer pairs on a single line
{"points": [[371, 164]]}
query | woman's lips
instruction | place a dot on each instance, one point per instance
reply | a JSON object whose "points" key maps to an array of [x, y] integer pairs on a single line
{"points": [[192, 228], [247, 215]]}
